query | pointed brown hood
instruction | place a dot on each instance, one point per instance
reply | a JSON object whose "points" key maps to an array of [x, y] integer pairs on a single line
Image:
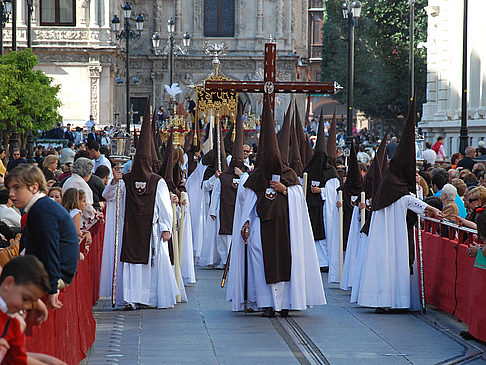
{"points": [[228, 142], [399, 179], [270, 162], [167, 168], [295, 161], [319, 168], [284, 137], [141, 187], [331, 140], [354, 181], [306, 151], [135, 138], [368, 181], [230, 181], [156, 163]]}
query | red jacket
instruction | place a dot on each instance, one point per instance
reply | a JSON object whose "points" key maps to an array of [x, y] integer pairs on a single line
{"points": [[15, 338]]}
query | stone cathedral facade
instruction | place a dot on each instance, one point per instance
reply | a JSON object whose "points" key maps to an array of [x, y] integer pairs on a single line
{"points": [[75, 46], [442, 111]]}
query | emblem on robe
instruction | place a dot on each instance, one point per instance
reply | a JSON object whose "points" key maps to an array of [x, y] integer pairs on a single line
{"points": [[140, 187], [235, 183], [270, 193], [315, 183]]}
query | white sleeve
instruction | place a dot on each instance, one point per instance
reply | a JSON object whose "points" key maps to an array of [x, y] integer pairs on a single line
{"points": [[164, 207], [215, 198], [186, 160], [110, 191], [416, 205], [323, 193], [209, 184]]}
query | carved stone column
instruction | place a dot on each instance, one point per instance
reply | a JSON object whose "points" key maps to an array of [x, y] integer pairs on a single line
{"points": [[178, 16], [259, 32], [94, 77], [280, 19], [198, 17], [93, 13]]}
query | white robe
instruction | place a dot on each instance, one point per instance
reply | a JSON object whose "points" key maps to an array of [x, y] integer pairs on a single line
{"points": [[386, 280], [362, 248], [187, 257], [207, 187], [142, 283], [194, 192], [106, 274], [215, 246], [305, 286], [329, 196], [350, 261]]}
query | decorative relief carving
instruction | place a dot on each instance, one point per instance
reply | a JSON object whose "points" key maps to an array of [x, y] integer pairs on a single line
{"points": [[197, 17], [280, 17], [61, 34], [84, 12], [94, 74]]}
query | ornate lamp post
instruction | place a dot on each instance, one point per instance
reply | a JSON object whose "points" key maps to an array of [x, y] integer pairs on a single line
{"points": [[5, 11], [127, 33], [351, 12], [171, 48]]}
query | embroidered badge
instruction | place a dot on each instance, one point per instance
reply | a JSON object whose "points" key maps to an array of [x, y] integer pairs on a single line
{"points": [[140, 187], [270, 193], [235, 183]]}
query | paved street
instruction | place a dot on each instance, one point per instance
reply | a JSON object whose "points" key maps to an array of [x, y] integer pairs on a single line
{"points": [[206, 331]]}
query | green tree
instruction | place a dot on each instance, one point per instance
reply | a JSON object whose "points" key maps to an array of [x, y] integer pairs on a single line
{"points": [[28, 100], [381, 55]]}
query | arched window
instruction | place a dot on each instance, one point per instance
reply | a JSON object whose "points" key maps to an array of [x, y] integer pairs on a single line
{"points": [[219, 18]]}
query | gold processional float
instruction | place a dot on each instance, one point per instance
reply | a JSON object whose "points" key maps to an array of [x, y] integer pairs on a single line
{"points": [[212, 107]]}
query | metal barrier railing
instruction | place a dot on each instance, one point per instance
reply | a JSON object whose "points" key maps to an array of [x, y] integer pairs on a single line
{"points": [[449, 229]]}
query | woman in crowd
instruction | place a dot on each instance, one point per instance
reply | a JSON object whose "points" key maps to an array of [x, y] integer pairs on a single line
{"points": [[476, 199], [49, 166], [455, 158], [81, 173], [49, 232], [74, 201], [447, 195], [55, 193]]}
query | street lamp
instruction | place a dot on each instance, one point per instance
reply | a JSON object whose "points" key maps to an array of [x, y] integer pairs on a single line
{"points": [[171, 48], [127, 33], [351, 11], [5, 11]]}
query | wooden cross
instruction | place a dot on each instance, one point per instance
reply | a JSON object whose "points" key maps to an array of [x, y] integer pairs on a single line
{"points": [[269, 85]]}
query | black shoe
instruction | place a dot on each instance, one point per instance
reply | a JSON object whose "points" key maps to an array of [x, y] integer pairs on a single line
{"points": [[268, 312], [325, 269], [381, 310], [284, 313], [130, 307], [466, 335]]}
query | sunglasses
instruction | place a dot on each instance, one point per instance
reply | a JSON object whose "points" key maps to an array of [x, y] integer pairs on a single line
{"points": [[246, 151], [472, 200]]}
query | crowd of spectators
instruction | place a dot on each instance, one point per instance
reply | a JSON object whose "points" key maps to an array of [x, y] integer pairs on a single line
{"points": [[47, 203]]}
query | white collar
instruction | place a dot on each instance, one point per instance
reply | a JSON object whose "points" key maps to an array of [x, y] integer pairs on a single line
{"points": [[31, 202], [3, 306]]}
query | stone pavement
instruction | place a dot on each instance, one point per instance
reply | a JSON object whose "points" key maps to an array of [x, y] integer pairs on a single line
{"points": [[206, 331]]}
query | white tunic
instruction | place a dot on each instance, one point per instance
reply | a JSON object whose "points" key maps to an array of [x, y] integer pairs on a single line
{"points": [[215, 246], [350, 261], [329, 196], [362, 248], [194, 191], [106, 274], [305, 286], [207, 187], [385, 280], [187, 257], [142, 283]]}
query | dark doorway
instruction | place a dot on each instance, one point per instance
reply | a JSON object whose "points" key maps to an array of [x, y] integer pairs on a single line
{"points": [[139, 104]]}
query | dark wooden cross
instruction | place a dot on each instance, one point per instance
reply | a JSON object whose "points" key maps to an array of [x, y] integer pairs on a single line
{"points": [[269, 85]]}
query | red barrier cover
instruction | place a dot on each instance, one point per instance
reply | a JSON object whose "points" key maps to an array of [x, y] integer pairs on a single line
{"points": [[453, 284], [69, 332]]}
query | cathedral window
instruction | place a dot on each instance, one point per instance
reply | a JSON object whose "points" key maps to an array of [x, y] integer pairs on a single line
{"points": [[219, 18], [58, 12]]}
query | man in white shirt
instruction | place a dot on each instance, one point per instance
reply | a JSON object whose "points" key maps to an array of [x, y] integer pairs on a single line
{"points": [[90, 123], [99, 159], [8, 214], [67, 154], [429, 154]]}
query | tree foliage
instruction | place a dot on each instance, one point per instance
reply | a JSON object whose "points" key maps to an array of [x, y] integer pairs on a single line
{"points": [[28, 100], [381, 80]]}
